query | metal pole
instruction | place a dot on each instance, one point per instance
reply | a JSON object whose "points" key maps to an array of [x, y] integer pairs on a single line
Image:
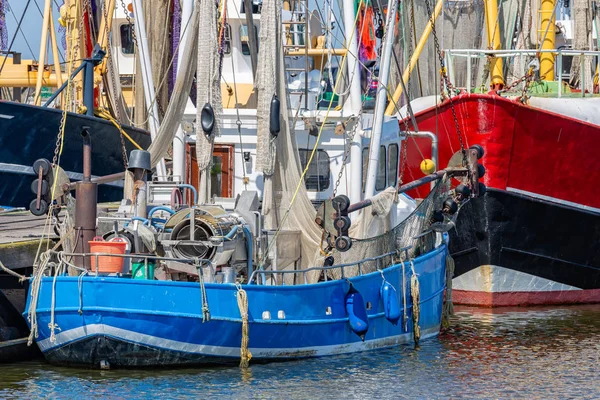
{"points": [[88, 89], [415, 56], [354, 103], [86, 205], [149, 92], [187, 9], [381, 99], [493, 35], [16, 90], [547, 35], [559, 74], [42, 59]]}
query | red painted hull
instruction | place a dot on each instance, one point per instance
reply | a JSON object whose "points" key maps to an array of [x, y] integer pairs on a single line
{"points": [[530, 151], [521, 299], [527, 149]]}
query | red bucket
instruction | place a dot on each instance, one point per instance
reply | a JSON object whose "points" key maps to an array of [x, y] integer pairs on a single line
{"points": [[107, 264]]}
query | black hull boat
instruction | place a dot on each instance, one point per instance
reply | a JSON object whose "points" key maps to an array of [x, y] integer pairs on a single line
{"points": [[28, 133], [512, 249]]}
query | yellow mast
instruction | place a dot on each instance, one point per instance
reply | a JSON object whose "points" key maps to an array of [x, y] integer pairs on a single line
{"points": [[413, 59], [492, 25], [42, 59], [546, 36]]}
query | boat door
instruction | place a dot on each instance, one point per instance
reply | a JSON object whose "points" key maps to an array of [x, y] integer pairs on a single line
{"points": [[221, 184]]}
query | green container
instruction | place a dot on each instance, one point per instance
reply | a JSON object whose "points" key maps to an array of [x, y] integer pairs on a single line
{"points": [[139, 270]]}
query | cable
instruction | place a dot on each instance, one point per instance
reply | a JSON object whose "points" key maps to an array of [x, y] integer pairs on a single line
{"points": [[15, 35]]}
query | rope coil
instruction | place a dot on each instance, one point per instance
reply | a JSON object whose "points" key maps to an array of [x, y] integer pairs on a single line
{"points": [[415, 295], [203, 296], [242, 300], [448, 309]]}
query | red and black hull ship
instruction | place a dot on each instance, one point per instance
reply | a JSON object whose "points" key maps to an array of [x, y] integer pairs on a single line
{"points": [[533, 237]]}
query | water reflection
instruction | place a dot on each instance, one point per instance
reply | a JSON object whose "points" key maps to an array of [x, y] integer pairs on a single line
{"points": [[504, 353]]}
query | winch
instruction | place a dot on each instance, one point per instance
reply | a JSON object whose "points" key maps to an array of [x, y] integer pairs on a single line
{"points": [[206, 232]]}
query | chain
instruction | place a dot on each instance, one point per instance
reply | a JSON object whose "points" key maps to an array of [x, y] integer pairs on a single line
{"points": [[133, 36], [351, 139], [347, 152], [63, 120], [446, 80], [410, 41]]}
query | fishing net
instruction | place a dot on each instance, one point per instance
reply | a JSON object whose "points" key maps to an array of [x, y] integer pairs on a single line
{"points": [[411, 232], [286, 205], [208, 91], [174, 114]]}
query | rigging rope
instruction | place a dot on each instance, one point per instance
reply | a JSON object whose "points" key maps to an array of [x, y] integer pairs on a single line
{"points": [[203, 296]]}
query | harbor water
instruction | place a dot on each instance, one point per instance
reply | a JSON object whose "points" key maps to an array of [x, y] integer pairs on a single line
{"points": [[502, 353]]}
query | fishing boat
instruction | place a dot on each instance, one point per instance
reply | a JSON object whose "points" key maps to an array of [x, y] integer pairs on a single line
{"points": [[517, 245], [270, 277], [31, 130]]}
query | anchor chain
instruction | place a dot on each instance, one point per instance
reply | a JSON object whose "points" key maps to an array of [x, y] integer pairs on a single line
{"points": [[446, 80]]}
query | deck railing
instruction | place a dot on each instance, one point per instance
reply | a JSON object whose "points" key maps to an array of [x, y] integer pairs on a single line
{"points": [[471, 54], [256, 274]]}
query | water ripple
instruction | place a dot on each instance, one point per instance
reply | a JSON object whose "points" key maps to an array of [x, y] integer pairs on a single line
{"points": [[505, 353]]}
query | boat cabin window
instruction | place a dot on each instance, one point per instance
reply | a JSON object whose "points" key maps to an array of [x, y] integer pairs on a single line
{"points": [[127, 45], [381, 170], [392, 165], [318, 175], [244, 39], [365, 166], [256, 7]]}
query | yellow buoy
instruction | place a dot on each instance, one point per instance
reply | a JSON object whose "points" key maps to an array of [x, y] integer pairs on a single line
{"points": [[427, 166]]}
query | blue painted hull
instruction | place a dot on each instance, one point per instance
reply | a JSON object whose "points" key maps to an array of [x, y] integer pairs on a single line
{"points": [[29, 132], [133, 323]]}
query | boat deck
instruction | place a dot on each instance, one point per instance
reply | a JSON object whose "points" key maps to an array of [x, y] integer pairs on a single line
{"points": [[20, 232], [19, 226]]}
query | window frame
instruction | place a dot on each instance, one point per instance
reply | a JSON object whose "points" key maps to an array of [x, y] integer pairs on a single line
{"points": [[247, 41], [381, 163], [304, 155], [130, 28], [393, 173]]}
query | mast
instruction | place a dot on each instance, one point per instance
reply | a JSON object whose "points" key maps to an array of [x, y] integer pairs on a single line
{"points": [[492, 24], [391, 109], [43, 42], [149, 92], [354, 103], [187, 9], [546, 36], [381, 100]]}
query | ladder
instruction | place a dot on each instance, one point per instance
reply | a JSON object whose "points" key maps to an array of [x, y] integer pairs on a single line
{"points": [[297, 39]]}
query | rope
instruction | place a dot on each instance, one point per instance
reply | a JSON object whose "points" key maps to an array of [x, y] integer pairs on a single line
{"points": [[80, 289], [34, 296], [242, 300], [22, 278], [204, 298], [415, 295], [53, 325], [107, 116], [448, 308], [404, 316]]}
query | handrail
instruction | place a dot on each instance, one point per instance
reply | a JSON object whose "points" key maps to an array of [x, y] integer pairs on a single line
{"points": [[470, 54], [462, 52], [359, 263]]}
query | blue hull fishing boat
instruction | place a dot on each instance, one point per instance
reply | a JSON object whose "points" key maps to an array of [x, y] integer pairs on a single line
{"points": [[123, 322], [265, 275]]}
